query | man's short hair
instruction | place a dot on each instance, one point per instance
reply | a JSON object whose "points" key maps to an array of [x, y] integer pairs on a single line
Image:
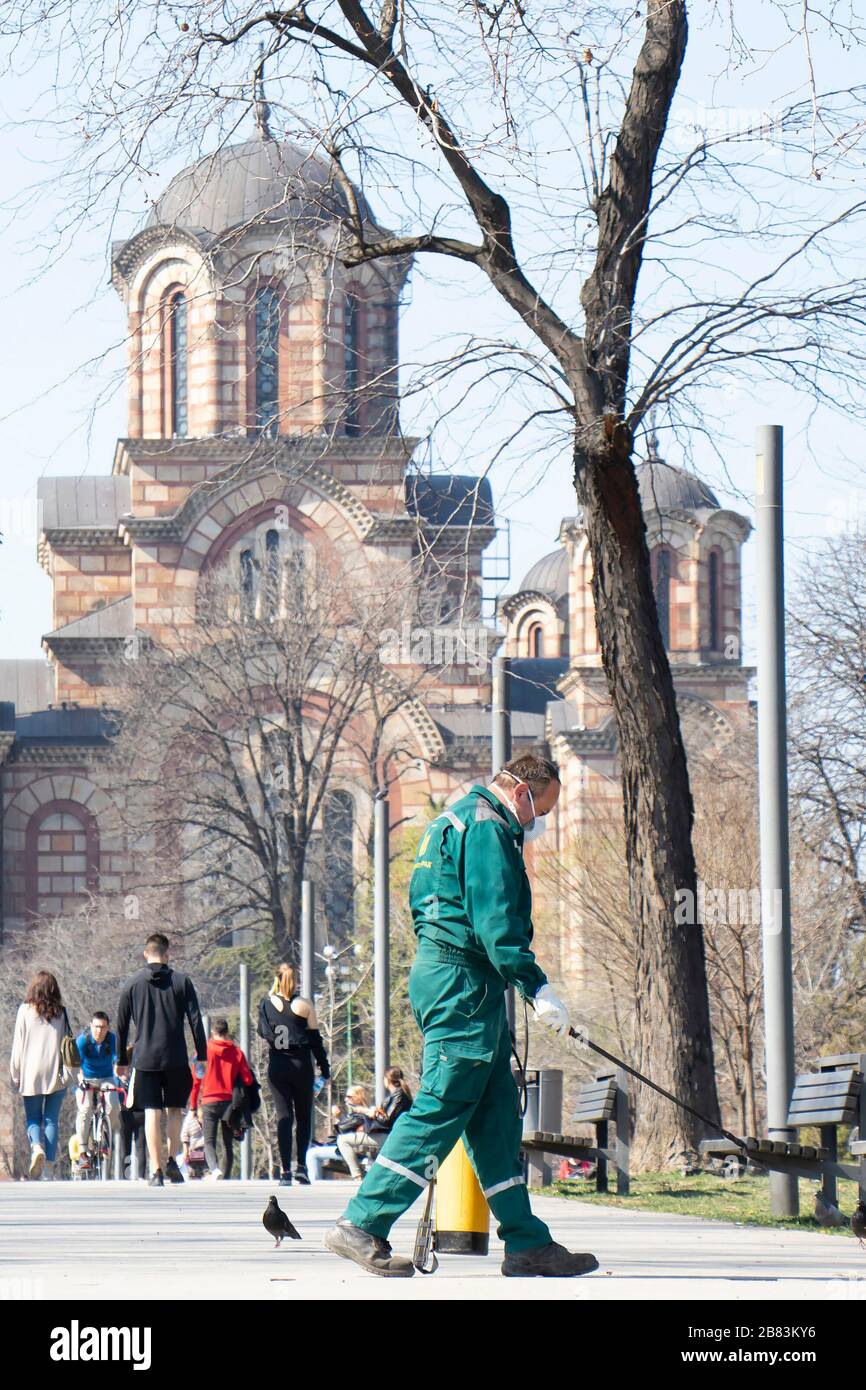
{"points": [[220, 1027], [535, 771], [103, 1018], [156, 945]]}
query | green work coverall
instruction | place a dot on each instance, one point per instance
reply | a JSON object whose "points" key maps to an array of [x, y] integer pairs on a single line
{"points": [[471, 907]]}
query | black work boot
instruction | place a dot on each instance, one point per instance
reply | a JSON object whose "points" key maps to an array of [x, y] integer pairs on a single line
{"points": [[370, 1252], [172, 1172], [546, 1261]]}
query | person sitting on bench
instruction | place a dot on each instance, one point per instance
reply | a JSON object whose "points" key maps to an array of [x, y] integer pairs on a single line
{"points": [[353, 1138], [319, 1154]]}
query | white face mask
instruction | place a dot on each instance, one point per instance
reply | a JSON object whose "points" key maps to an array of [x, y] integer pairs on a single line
{"points": [[536, 827], [533, 831]]}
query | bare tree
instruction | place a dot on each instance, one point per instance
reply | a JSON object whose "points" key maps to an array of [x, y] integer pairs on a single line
{"points": [[827, 953], [456, 106], [827, 665], [827, 643], [232, 734]]}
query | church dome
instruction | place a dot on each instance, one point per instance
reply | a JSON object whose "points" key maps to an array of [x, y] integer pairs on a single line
{"points": [[261, 180], [664, 488], [549, 575]]}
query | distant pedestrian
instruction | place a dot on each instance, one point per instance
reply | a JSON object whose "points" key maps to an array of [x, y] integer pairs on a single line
{"points": [[288, 1025], [97, 1047], [158, 1001], [192, 1142], [36, 1068], [226, 1064], [131, 1138]]}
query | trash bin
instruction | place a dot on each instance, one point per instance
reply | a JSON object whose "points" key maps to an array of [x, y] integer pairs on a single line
{"points": [[543, 1113]]}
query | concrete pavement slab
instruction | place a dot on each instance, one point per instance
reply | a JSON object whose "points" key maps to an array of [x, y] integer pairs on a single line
{"points": [[205, 1240]]}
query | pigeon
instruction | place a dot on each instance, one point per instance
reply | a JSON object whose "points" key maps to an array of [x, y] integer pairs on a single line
{"points": [[277, 1224], [826, 1213], [858, 1221]]}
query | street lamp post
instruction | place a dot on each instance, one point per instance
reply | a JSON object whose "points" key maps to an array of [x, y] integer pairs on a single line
{"points": [[773, 793], [332, 958], [308, 937], [500, 747], [381, 943], [244, 1032]]}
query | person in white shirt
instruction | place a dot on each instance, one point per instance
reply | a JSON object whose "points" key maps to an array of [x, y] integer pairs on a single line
{"points": [[36, 1068]]}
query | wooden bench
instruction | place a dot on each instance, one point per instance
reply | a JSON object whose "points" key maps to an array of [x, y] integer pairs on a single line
{"points": [[600, 1102], [833, 1095], [331, 1166]]}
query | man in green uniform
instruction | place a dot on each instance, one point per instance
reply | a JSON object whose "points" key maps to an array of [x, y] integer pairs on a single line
{"points": [[471, 907]]}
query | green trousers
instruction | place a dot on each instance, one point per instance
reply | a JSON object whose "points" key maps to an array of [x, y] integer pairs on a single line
{"points": [[467, 1089]]}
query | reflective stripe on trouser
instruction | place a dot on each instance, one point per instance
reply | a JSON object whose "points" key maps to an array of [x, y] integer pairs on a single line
{"points": [[491, 1127]]}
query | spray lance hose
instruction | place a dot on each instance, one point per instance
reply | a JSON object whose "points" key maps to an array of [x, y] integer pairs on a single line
{"points": [[639, 1076], [617, 1061]]}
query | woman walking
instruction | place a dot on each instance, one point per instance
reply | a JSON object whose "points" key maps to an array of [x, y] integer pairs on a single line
{"points": [[288, 1025], [37, 1069]]}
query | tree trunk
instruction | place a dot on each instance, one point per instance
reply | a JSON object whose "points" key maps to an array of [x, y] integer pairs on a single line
{"points": [[673, 1038], [286, 915]]}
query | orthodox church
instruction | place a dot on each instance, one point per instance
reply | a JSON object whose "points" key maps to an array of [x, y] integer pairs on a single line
{"points": [[263, 375]]}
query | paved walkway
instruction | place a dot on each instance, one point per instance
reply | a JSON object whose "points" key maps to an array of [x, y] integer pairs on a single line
{"points": [[204, 1240]]}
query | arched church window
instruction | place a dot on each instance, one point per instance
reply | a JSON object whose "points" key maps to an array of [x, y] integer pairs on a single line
{"points": [[273, 565], [352, 354], [715, 600], [662, 575], [179, 346], [267, 359], [62, 859], [248, 583], [272, 571], [535, 640]]}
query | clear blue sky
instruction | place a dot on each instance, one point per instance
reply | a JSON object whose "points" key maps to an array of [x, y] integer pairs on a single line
{"points": [[59, 415]]}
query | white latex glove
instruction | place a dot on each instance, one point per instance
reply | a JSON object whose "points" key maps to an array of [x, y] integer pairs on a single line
{"points": [[551, 1011]]}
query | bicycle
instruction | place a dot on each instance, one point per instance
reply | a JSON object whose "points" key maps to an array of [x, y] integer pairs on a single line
{"points": [[95, 1157]]}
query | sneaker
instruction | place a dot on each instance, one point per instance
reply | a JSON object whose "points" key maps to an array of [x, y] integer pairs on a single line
{"points": [[546, 1261], [172, 1172], [37, 1162], [301, 1174], [370, 1252], [215, 1175], [157, 1180], [285, 1179]]}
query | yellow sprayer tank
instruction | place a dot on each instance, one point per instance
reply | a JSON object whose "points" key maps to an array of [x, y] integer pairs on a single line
{"points": [[462, 1214]]}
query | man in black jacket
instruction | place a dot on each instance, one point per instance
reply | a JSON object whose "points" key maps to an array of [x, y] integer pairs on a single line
{"points": [[157, 1001]]}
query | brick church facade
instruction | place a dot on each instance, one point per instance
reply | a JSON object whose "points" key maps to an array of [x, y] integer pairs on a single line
{"points": [[263, 375]]}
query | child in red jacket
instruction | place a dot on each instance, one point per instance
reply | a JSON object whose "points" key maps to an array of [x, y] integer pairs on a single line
{"points": [[212, 1095]]}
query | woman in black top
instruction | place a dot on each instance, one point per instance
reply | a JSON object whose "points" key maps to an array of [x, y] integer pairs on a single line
{"points": [[397, 1101], [288, 1025]]}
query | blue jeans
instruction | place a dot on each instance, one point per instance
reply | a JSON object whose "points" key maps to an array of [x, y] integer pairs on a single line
{"points": [[41, 1113]]}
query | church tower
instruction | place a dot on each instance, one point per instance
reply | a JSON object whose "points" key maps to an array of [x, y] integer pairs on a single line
{"points": [[263, 418], [695, 549]]}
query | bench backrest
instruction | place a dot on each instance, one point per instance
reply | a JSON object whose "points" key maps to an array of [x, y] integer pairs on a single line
{"points": [[830, 1096], [596, 1099]]}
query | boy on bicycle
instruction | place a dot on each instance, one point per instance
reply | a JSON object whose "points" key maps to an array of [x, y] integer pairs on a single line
{"points": [[98, 1050]]}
